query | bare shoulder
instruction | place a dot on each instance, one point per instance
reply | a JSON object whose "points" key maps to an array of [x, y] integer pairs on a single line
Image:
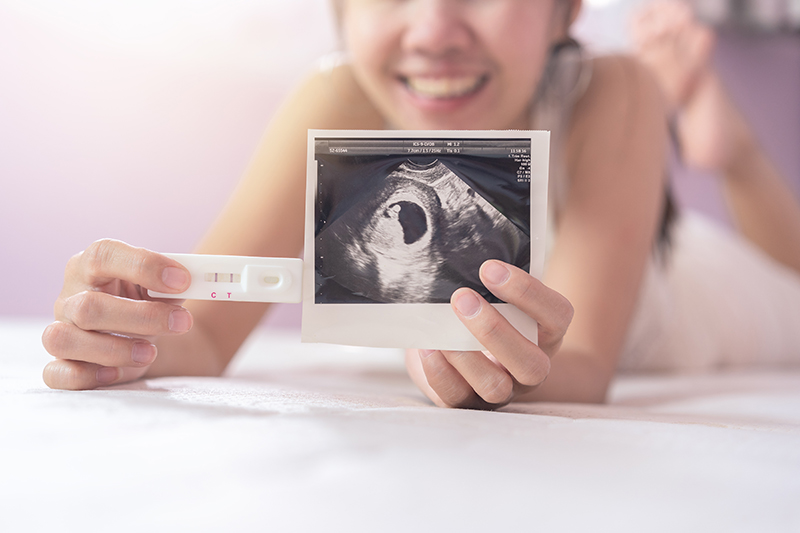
{"points": [[622, 97], [619, 122], [333, 99]]}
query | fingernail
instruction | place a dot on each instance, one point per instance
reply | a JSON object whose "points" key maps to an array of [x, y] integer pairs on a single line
{"points": [[107, 374], [143, 353], [180, 321], [467, 304], [425, 353], [495, 273], [174, 278]]}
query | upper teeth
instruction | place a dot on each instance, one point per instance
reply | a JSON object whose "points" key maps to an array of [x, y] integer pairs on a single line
{"points": [[444, 87]]}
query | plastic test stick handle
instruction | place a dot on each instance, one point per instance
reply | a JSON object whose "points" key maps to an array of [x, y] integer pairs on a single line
{"points": [[240, 279]]}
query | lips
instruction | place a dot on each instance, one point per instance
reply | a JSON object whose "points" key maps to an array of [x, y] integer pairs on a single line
{"points": [[444, 87]]}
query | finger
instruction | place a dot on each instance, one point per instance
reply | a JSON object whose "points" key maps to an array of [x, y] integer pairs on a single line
{"points": [[417, 375], [551, 310], [526, 362], [67, 341], [487, 379], [99, 311], [78, 375], [108, 259], [446, 382]]}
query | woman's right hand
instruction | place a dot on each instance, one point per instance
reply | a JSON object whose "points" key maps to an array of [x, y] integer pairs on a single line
{"points": [[106, 324]]}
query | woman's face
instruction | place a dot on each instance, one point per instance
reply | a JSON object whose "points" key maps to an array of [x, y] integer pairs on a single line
{"points": [[451, 64]]}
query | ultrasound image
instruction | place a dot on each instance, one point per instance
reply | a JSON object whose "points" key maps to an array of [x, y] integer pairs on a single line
{"points": [[415, 235]]}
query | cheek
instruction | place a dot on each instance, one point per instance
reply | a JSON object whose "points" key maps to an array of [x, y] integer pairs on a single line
{"points": [[520, 75], [521, 50], [523, 77], [372, 47], [367, 41]]}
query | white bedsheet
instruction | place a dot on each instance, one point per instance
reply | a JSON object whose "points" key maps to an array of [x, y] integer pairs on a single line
{"points": [[322, 438]]}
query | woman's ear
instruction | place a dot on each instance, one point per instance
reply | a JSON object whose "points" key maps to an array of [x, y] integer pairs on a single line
{"points": [[566, 13], [574, 11]]}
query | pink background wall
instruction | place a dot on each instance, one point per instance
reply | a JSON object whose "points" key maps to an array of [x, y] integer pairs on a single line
{"points": [[133, 124], [136, 123]]}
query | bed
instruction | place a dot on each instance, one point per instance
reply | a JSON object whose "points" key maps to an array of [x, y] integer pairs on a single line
{"points": [[327, 438]]}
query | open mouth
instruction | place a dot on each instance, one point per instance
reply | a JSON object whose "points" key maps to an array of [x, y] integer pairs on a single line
{"points": [[443, 88]]}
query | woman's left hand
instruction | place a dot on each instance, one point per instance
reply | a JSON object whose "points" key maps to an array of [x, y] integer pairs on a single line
{"points": [[513, 365]]}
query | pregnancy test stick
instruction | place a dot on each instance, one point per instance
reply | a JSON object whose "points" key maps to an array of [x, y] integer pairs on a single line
{"points": [[240, 279]]}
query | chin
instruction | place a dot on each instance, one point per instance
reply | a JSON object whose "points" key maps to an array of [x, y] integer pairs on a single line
{"points": [[443, 122], [460, 119], [412, 112]]}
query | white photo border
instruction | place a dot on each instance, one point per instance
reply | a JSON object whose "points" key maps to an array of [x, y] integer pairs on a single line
{"points": [[416, 325]]}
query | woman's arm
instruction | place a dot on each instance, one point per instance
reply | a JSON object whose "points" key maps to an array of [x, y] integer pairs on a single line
{"points": [[266, 214], [608, 227], [606, 234], [108, 331]]}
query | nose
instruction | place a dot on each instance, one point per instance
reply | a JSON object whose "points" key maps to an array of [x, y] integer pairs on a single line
{"points": [[437, 28]]}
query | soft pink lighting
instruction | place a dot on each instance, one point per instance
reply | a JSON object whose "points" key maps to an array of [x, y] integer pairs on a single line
{"points": [[133, 120]]}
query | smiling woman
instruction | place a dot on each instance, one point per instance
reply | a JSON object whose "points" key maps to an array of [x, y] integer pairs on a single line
{"points": [[420, 64], [426, 65], [450, 64]]}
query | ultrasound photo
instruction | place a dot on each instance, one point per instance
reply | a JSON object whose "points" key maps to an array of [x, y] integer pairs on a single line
{"points": [[403, 221]]}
